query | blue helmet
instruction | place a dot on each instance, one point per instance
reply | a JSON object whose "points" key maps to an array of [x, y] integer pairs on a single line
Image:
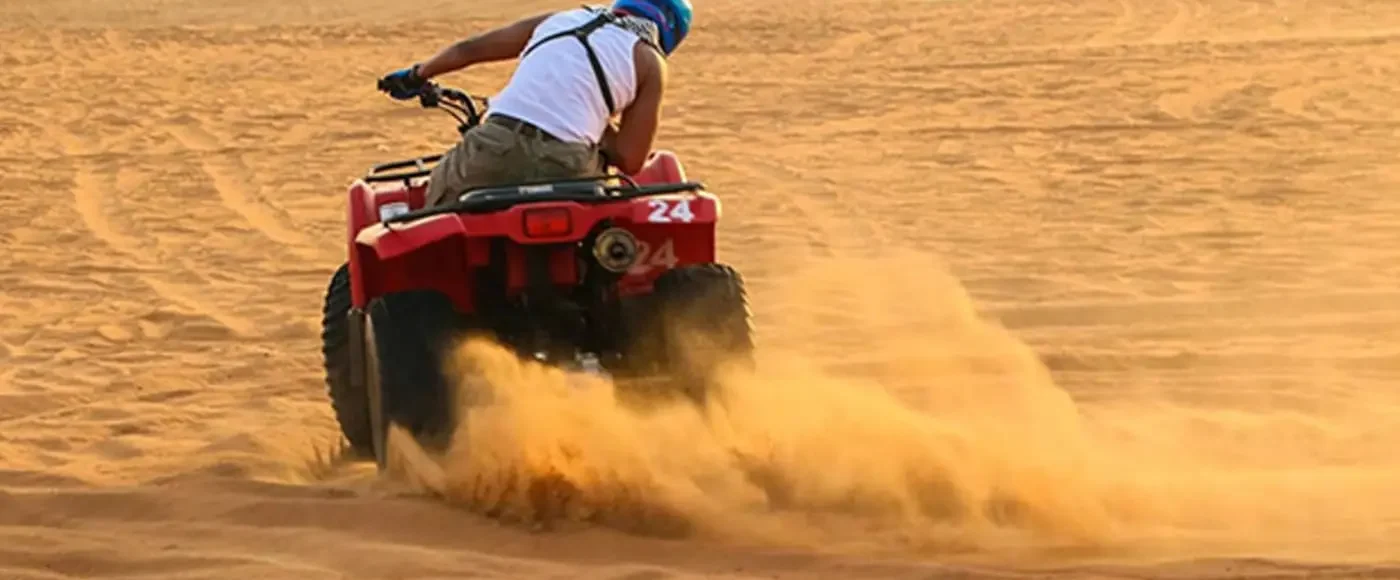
{"points": [[672, 18]]}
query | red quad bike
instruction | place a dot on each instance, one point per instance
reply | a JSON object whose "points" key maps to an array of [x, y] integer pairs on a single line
{"points": [[615, 273]]}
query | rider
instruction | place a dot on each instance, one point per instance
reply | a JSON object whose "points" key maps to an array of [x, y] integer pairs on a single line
{"points": [[554, 119]]}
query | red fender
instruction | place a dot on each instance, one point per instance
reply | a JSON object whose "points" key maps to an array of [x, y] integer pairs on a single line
{"points": [[662, 167]]}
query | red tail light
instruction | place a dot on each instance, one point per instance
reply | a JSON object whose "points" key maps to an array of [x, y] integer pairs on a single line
{"points": [[548, 223]]}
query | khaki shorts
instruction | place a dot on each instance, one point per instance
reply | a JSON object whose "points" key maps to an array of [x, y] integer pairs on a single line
{"points": [[493, 153]]}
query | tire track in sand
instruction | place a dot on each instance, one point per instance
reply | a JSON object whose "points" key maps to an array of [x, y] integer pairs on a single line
{"points": [[1125, 31], [1172, 31], [225, 173], [1296, 100], [1189, 105], [89, 197], [91, 203], [1121, 27]]}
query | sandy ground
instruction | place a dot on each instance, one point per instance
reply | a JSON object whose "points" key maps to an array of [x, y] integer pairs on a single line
{"points": [[1128, 265]]}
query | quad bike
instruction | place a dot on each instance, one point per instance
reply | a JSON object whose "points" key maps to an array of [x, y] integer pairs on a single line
{"points": [[616, 273]]}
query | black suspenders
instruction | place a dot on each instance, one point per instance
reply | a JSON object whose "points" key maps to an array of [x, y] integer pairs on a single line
{"points": [[581, 33]]}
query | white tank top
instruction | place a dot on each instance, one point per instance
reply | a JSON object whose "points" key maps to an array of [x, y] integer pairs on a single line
{"points": [[556, 89]]}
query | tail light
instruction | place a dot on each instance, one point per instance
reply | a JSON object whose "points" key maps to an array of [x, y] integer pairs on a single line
{"points": [[548, 222]]}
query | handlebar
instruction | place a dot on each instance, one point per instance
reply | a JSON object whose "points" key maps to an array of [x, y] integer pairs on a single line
{"points": [[460, 104]]}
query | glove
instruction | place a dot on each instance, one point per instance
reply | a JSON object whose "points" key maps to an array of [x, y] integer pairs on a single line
{"points": [[403, 84]]}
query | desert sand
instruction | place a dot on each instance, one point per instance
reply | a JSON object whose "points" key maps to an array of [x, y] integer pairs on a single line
{"points": [[1128, 269]]}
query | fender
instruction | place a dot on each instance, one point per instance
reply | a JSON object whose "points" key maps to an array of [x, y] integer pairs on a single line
{"points": [[370, 243], [662, 166], [425, 254], [403, 238], [357, 215]]}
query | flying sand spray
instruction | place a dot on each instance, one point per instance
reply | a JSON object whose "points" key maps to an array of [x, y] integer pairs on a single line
{"points": [[949, 436]]}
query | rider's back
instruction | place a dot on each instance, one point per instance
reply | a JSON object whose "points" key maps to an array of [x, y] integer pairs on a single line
{"points": [[555, 88]]}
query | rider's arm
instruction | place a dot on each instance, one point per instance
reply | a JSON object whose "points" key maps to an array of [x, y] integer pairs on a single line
{"points": [[503, 43], [629, 147]]}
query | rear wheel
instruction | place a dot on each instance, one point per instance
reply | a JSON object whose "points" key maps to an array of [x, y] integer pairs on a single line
{"points": [[703, 317], [407, 337], [348, 398]]}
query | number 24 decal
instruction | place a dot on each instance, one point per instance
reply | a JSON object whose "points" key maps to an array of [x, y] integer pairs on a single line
{"points": [[663, 212], [664, 256]]}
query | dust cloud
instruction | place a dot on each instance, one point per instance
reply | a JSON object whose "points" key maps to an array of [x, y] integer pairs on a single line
{"points": [[893, 418]]}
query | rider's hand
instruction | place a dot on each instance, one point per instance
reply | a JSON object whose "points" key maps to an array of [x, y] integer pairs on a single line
{"points": [[403, 84]]}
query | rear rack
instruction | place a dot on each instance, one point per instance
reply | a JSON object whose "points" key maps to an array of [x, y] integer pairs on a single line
{"points": [[586, 190], [422, 166]]}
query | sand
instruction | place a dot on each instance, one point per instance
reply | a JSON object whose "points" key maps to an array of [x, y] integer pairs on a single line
{"points": [[1126, 269]]}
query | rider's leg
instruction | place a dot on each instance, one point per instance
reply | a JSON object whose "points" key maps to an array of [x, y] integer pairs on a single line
{"points": [[491, 154], [548, 160], [477, 160]]}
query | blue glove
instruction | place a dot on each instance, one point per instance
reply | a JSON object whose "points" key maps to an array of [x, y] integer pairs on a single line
{"points": [[403, 84]]}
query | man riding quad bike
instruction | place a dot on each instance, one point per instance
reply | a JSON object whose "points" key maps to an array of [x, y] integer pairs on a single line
{"points": [[560, 238], [578, 69]]}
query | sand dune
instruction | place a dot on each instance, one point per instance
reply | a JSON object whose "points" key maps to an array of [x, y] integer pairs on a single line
{"points": [[1127, 269]]}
